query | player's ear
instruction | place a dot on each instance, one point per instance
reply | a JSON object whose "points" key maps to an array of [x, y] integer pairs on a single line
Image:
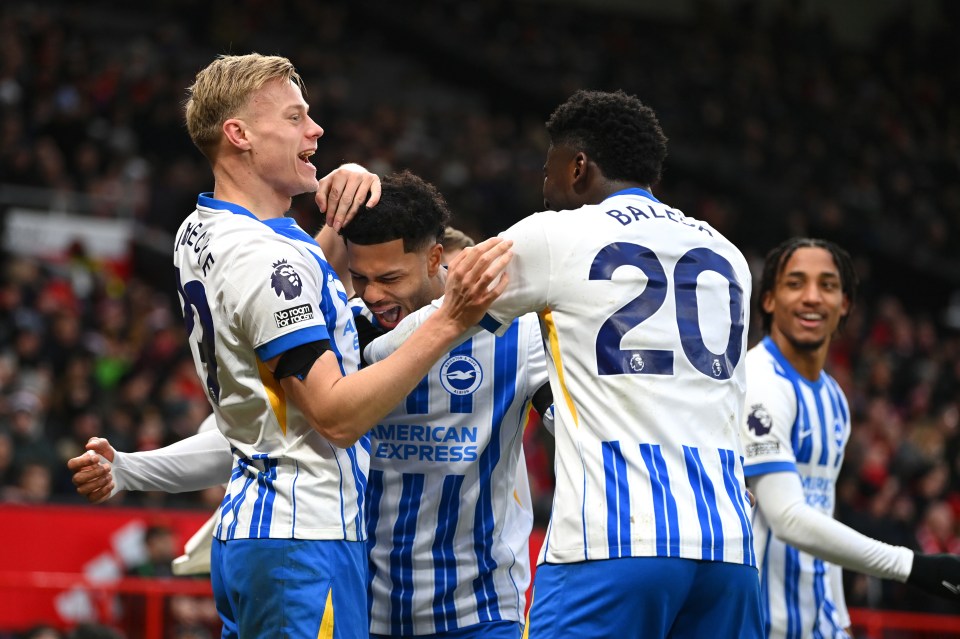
{"points": [[767, 303], [235, 132], [434, 259], [845, 306], [580, 168]]}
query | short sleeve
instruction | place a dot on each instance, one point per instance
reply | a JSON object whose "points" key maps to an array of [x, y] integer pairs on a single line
{"points": [[769, 415], [278, 291], [529, 271]]}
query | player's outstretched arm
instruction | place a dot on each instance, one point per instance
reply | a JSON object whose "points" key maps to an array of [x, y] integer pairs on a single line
{"points": [[194, 463], [342, 408], [781, 499]]}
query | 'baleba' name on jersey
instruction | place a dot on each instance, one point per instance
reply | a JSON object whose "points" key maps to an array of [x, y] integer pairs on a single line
{"points": [[635, 214], [434, 443], [196, 237]]}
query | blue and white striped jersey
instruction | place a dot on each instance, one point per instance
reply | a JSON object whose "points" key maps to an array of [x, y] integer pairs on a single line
{"points": [[252, 290], [448, 502], [794, 425], [643, 311]]}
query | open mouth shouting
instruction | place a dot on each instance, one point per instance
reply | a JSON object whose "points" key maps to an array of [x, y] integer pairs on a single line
{"points": [[388, 317], [305, 158]]}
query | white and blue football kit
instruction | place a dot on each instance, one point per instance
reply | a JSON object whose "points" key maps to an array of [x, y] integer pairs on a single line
{"points": [[794, 425], [251, 290], [644, 313], [448, 501]]}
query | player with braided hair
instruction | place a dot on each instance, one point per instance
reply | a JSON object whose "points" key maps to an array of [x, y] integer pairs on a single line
{"points": [[795, 429]]}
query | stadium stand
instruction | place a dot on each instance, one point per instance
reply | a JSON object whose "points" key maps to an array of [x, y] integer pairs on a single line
{"points": [[778, 124]]}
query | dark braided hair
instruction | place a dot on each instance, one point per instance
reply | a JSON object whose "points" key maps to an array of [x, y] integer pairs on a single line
{"points": [[778, 257], [617, 131], [410, 209]]}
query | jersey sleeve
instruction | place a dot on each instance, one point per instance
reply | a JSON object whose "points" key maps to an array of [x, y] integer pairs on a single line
{"points": [[781, 500], [197, 462], [769, 414], [278, 292], [528, 289]]}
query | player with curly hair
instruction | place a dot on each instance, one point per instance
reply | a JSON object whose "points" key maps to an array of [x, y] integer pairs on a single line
{"points": [[643, 311], [795, 430]]}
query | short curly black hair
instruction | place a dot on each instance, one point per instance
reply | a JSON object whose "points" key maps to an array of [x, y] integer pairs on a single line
{"points": [[410, 209], [616, 130], [777, 259]]}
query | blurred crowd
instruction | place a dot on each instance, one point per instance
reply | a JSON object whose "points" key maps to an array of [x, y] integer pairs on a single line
{"points": [[777, 128]]}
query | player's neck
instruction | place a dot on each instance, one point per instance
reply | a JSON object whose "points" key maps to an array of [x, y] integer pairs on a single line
{"points": [[808, 362], [438, 282], [250, 193]]}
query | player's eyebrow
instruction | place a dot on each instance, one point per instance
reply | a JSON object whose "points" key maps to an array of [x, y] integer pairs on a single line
{"points": [[392, 273]]}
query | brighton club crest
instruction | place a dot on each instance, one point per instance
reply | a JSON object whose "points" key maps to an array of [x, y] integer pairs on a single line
{"points": [[461, 375]]}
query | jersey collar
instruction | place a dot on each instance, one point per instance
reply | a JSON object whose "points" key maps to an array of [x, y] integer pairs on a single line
{"points": [[282, 225], [774, 350], [634, 191]]}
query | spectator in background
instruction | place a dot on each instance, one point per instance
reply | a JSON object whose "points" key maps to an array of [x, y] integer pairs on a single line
{"points": [[454, 241]]}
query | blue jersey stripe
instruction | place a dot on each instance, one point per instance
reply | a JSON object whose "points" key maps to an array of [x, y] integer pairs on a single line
{"points": [[791, 591], [374, 495], [343, 510], [293, 498], [462, 403], [822, 418], [418, 401], [802, 434], [728, 463], [664, 504], [267, 514], [618, 500], [764, 584], [226, 502], [401, 557], [239, 498], [445, 557], [361, 483], [839, 432], [258, 504], [706, 498], [504, 391], [818, 596], [329, 309]]}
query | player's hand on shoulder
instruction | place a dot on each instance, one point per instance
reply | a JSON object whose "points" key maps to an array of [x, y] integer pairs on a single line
{"points": [[93, 470], [343, 191], [937, 574], [475, 278]]}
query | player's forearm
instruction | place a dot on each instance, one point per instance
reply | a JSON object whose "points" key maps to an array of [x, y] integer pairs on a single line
{"points": [[344, 408], [781, 500], [389, 342], [194, 463]]}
